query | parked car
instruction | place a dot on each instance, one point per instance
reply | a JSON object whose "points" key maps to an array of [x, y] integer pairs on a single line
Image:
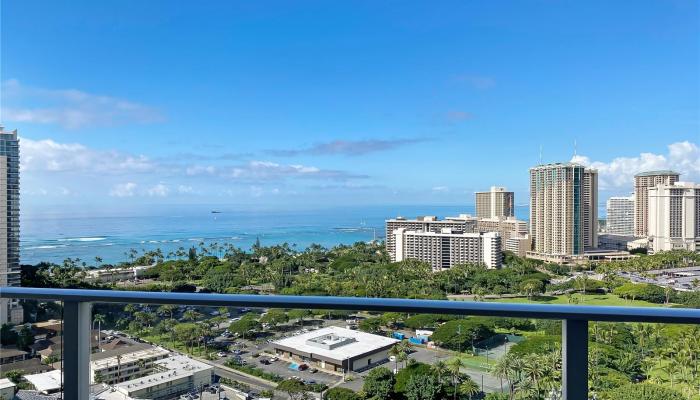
{"points": [[313, 370], [221, 354], [302, 367], [264, 361]]}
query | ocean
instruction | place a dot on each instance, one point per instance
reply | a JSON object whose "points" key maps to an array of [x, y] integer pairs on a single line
{"points": [[53, 238]]}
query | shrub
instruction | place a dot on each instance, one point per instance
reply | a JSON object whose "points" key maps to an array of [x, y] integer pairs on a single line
{"points": [[338, 393], [536, 344], [644, 391]]}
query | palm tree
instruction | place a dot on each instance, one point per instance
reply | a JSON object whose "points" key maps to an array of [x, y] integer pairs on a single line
{"points": [[440, 369], [99, 319], [509, 367], [395, 352], [190, 315], [469, 388], [119, 368], [454, 368]]}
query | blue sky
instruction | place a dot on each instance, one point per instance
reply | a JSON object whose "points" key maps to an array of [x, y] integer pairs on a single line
{"points": [[305, 103]]}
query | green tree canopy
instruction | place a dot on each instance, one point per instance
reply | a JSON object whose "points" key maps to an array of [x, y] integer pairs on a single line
{"points": [[644, 391], [379, 384]]}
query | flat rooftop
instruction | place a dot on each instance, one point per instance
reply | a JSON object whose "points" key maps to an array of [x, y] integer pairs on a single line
{"points": [[45, 382], [172, 368], [126, 358], [336, 343], [6, 383]]}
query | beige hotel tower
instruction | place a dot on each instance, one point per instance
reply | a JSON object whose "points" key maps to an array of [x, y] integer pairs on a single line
{"points": [[642, 182]]}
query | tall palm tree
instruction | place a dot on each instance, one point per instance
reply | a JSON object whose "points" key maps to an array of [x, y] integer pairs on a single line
{"points": [[454, 367], [99, 319]]}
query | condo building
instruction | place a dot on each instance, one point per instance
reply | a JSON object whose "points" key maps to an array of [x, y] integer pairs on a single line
{"points": [[449, 247], [620, 216], [10, 310], [518, 245], [495, 203], [563, 209], [506, 227], [462, 223], [642, 183], [674, 217]]}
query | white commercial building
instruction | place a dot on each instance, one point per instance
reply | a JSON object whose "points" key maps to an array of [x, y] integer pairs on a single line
{"points": [[335, 349], [496, 203], [449, 247], [109, 275], [620, 216], [428, 223], [674, 217]]}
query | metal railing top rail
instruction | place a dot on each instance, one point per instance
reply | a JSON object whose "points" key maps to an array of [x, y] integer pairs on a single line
{"points": [[516, 310]]}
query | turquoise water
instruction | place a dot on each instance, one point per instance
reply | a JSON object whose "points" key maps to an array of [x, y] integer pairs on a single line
{"points": [[55, 237]]}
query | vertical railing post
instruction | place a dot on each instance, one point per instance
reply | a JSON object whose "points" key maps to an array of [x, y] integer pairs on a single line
{"points": [[575, 359], [76, 350]]}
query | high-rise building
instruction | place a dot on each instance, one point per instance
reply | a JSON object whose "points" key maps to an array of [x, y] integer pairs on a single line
{"points": [[495, 203], [674, 217], [563, 209], [620, 216], [448, 248], [642, 182], [590, 208], [429, 223], [10, 310]]}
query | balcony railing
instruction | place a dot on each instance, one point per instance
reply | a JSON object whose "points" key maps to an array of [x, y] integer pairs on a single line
{"points": [[77, 316]]}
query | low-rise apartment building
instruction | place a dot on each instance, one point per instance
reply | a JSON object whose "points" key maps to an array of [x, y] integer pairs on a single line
{"points": [[125, 364], [170, 377]]}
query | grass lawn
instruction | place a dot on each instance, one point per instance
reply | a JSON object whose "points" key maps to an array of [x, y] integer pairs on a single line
{"points": [[477, 362], [588, 299]]}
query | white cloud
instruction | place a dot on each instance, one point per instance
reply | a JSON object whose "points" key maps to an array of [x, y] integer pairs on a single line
{"points": [[159, 190], [50, 156], [70, 108], [127, 189], [267, 170], [683, 157], [184, 189], [441, 189]]}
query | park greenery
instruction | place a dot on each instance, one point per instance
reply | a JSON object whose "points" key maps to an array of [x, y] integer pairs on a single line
{"points": [[646, 361]]}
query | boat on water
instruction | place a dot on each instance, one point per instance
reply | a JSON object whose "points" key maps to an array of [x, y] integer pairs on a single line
{"points": [[215, 212]]}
